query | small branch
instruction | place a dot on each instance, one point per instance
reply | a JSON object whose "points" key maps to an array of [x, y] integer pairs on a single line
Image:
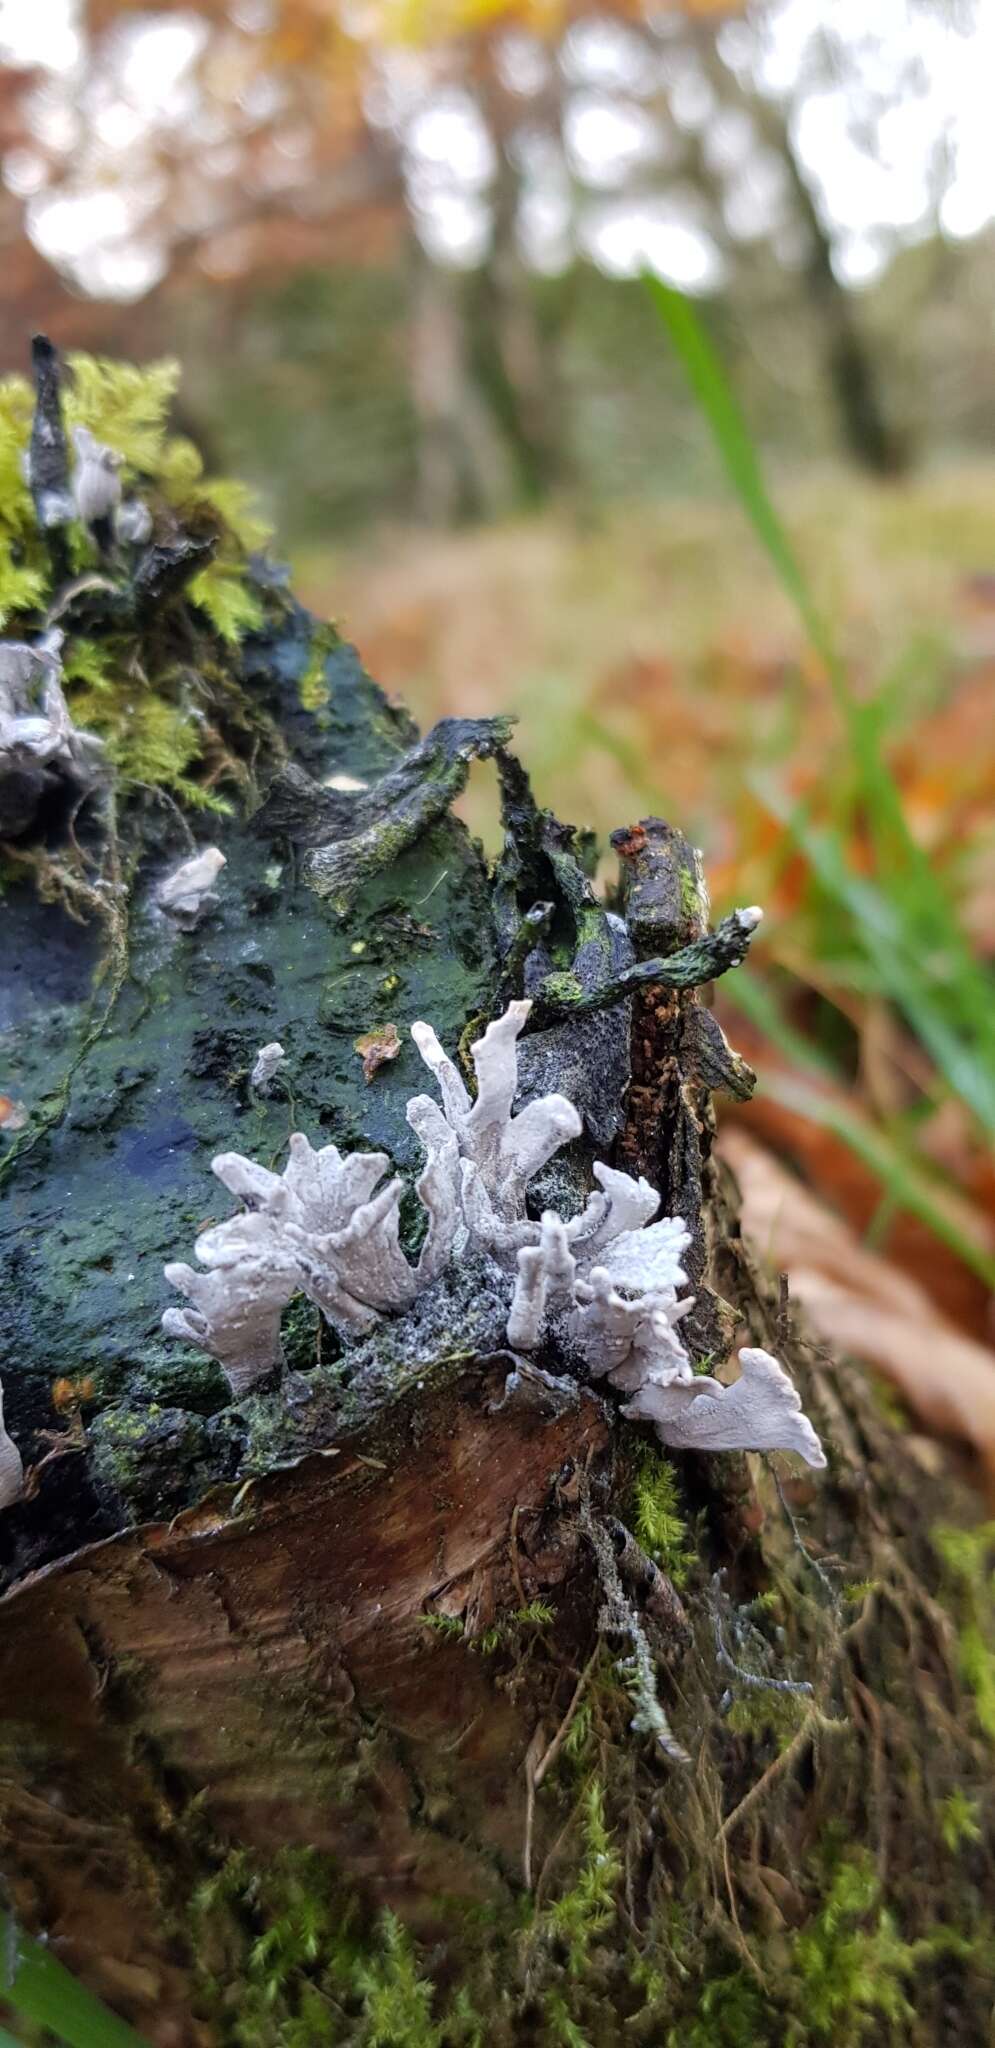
{"points": [[691, 967], [547, 1761], [532, 1755], [815, 1723]]}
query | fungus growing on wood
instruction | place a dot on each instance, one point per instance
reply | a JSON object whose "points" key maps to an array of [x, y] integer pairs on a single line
{"points": [[187, 891], [40, 746], [11, 1469], [602, 1285], [266, 1065], [761, 1411], [96, 484], [326, 1228]]}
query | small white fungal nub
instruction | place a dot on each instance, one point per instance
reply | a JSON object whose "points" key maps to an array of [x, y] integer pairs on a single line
{"points": [[11, 1468], [187, 891], [96, 483], [267, 1063], [34, 715]]}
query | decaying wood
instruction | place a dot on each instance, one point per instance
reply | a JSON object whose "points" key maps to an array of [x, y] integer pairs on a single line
{"points": [[213, 1679], [301, 1620]]}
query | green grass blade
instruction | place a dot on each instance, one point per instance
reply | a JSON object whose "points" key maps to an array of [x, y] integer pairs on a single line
{"points": [[947, 1002], [905, 920], [754, 998], [44, 1992], [711, 387]]}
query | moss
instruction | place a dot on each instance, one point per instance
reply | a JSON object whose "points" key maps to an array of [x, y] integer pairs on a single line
{"points": [[657, 1519], [562, 989], [844, 1981], [288, 1958], [589, 1907], [959, 1820], [313, 684], [691, 894], [761, 1711], [967, 1557], [161, 719], [147, 1462]]}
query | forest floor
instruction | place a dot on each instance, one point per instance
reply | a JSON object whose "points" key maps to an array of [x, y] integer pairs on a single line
{"points": [[871, 844]]}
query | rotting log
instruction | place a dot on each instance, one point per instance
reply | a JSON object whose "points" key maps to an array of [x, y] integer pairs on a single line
{"points": [[314, 1711]]}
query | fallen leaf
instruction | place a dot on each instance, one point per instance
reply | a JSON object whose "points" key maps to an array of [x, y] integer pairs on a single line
{"points": [[376, 1047], [859, 1303]]}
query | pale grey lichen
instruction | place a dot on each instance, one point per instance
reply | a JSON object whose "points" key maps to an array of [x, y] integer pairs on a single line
{"points": [[11, 1468], [603, 1285]]}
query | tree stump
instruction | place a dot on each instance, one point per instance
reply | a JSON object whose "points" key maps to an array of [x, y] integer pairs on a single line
{"points": [[316, 1702]]}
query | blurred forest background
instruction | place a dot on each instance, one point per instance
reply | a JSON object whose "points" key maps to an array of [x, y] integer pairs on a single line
{"points": [[398, 246]]}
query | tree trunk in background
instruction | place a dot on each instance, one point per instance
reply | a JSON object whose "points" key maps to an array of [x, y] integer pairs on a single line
{"points": [[315, 1723], [463, 465], [853, 374], [869, 435], [514, 359]]}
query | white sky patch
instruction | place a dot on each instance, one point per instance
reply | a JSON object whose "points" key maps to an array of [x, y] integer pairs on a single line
{"points": [[449, 136], [453, 228], [913, 81], [40, 32], [156, 57], [67, 225], [607, 140], [859, 260], [523, 63], [627, 239], [607, 54]]}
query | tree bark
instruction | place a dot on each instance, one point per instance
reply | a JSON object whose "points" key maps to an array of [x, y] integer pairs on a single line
{"points": [[315, 1716]]}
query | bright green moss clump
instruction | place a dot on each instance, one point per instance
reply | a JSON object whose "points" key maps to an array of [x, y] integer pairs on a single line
{"points": [[657, 1519], [967, 1555], [161, 713]]}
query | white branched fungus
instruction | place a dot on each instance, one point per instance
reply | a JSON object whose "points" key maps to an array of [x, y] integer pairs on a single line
{"points": [[604, 1283], [761, 1411], [11, 1469], [187, 891]]}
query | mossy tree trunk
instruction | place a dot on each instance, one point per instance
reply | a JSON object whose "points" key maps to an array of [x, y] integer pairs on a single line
{"points": [[313, 1726]]}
